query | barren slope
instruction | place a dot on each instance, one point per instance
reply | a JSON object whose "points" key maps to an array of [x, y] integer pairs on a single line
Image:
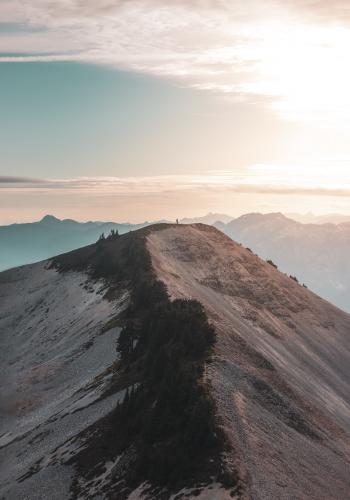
{"points": [[54, 366], [279, 374], [281, 370], [75, 396]]}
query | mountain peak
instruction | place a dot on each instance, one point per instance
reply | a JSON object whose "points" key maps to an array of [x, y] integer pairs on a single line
{"points": [[261, 216], [210, 218], [49, 219]]}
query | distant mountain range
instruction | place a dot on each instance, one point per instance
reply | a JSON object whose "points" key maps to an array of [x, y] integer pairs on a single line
{"points": [[317, 254], [210, 218], [310, 218], [27, 243]]}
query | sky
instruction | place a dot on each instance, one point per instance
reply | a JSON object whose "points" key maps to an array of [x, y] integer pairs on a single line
{"points": [[141, 110]]}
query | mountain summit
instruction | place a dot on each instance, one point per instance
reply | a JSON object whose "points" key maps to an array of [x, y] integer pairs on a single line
{"points": [[171, 362], [49, 219]]}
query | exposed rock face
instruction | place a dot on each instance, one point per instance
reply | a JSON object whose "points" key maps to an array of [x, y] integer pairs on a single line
{"points": [[279, 370], [282, 364]]}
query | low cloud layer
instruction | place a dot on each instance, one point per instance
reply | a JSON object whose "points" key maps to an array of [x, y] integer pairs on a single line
{"points": [[136, 199], [127, 186], [16, 180]]}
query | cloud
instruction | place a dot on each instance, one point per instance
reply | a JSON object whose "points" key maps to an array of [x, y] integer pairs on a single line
{"points": [[289, 55], [224, 182], [17, 180], [292, 190], [15, 28], [323, 10], [154, 197]]}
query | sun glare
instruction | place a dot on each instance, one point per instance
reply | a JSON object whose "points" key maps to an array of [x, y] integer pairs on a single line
{"points": [[306, 68]]}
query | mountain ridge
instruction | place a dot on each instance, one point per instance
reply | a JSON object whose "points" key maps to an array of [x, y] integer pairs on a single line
{"points": [[264, 322], [315, 253], [278, 371]]}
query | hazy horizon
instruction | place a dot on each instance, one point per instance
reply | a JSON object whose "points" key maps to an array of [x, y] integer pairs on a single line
{"points": [[300, 217]]}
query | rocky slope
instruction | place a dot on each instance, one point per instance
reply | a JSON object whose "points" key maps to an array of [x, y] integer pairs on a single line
{"points": [[276, 377], [281, 370]]}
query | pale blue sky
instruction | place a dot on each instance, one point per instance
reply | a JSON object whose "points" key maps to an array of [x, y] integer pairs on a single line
{"points": [[67, 119]]}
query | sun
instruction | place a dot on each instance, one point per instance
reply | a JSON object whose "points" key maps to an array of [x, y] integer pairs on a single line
{"points": [[305, 69]]}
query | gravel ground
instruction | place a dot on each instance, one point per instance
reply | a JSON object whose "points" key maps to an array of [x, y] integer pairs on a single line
{"points": [[54, 366]]}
